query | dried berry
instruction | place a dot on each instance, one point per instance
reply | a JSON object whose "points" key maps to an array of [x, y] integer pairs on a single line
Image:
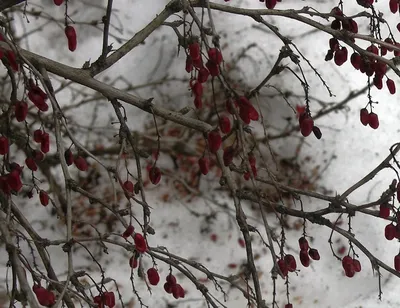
{"points": [[291, 263]]}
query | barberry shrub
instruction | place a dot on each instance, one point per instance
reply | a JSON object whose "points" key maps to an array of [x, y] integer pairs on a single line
{"points": [[185, 150]]}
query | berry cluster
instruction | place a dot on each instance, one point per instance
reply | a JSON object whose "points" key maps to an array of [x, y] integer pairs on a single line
{"points": [[306, 252], [171, 287]]}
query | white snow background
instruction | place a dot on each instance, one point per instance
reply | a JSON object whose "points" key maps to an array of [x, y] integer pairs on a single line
{"points": [[358, 150]]}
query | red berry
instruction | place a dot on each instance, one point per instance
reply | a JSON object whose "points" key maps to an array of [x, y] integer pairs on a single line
{"points": [[203, 75], [390, 232], [133, 262], [355, 60], [394, 6], [155, 175], [397, 263], [304, 258], [283, 267], [37, 155], [356, 265], [31, 164], [14, 180], [241, 243], [153, 276], [378, 82], [4, 146], [21, 110], [177, 291], [12, 59], [204, 165], [215, 55], [303, 244], [391, 86], [314, 254], [198, 102], [336, 24], [214, 141], [71, 37], [340, 56], [291, 263], [334, 44], [168, 288], [194, 51], [58, 2], [270, 4], [306, 126], [373, 120], [384, 211], [45, 143], [81, 163], [225, 124], [128, 186], [109, 299], [140, 243], [197, 88], [44, 198], [213, 68], [128, 232], [170, 279], [37, 135], [38, 100], [189, 64], [347, 261], [288, 306], [364, 116]]}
